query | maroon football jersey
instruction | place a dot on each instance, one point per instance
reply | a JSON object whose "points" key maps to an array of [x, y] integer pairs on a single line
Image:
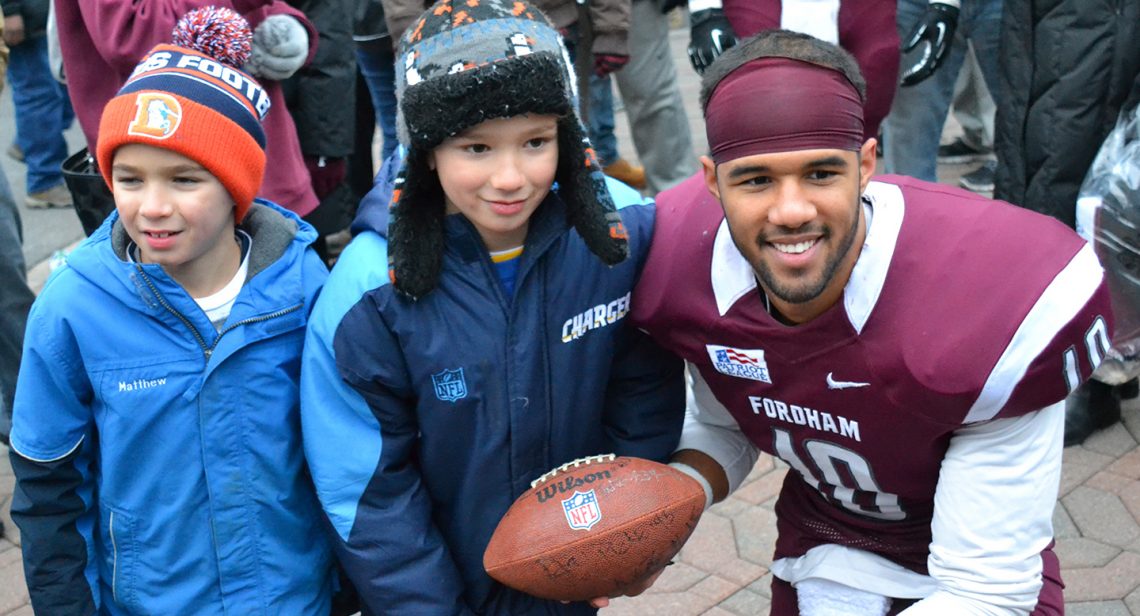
{"points": [[960, 309]]}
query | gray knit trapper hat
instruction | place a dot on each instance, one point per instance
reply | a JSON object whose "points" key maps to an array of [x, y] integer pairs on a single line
{"points": [[465, 62]]}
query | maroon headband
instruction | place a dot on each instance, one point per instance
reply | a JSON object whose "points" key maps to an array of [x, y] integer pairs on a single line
{"points": [[781, 105]]}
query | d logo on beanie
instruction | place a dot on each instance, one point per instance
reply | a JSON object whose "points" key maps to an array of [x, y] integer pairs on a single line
{"points": [[158, 115], [192, 98]]}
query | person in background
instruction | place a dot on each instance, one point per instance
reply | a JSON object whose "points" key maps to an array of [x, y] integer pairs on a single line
{"points": [[102, 40], [40, 102], [653, 103], [974, 110], [15, 295], [940, 33], [321, 97], [865, 28], [375, 55], [1068, 68]]}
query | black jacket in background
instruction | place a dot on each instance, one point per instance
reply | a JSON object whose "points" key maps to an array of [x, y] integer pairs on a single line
{"points": [[320, 95], [34, 12], [1069, 67]]}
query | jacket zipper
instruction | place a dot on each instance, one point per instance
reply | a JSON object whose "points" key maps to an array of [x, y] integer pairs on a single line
{"points": [[115, 558], [256, 319], [208, 350]]}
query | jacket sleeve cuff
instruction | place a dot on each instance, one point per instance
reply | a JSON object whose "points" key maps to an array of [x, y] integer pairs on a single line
{"points": [[611, 43]]}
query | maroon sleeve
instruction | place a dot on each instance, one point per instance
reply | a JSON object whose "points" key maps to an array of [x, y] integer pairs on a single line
{"points": [[123, 32], [1068, 360]]}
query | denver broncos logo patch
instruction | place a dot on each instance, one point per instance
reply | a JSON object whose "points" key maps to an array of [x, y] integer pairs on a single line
{"points": [[158, 115]]}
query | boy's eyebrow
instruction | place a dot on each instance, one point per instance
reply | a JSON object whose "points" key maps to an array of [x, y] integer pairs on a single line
{"points": [[179, 168]]}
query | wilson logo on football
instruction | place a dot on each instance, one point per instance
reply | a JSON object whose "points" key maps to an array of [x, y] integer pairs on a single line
{"points": [[158, 115], [582, 511]]}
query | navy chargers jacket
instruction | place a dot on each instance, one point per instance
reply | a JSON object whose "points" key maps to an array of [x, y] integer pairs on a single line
{"points": [[424, 420]]}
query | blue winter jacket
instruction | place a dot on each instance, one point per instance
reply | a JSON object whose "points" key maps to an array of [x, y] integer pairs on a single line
{"points": [[158, 462], [424, 420]]}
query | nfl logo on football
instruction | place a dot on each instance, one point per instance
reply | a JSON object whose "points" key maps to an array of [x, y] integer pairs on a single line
{"points": [[582, 510], [450, 385]]}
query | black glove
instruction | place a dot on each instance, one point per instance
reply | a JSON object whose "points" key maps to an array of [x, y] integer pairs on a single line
{"points": [[710, 34], [669, 5], [936, 31]]}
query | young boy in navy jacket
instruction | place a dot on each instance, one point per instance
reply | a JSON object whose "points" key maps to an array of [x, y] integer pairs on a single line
{"points": [[156, 438], [494, 347]]}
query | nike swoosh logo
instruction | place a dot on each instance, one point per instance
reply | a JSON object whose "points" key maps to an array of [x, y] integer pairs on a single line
{"points": [[834, 384]]}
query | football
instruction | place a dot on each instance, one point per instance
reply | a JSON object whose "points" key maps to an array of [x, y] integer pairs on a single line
{"points": [[592, 526]]}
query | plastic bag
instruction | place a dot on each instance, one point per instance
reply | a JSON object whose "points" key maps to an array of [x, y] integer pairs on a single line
{"points": [[1108, 214]]}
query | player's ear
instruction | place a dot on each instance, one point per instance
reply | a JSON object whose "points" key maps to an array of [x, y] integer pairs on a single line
{"points": [[709, 168], [867, 163]]}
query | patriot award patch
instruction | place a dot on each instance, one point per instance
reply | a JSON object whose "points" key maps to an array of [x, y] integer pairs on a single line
{"points": [[582, 511], [740, 363], [450, 385]]}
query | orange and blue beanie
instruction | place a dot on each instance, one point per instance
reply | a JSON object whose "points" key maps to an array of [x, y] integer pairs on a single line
{"points": [[191, 97], [461, 63]]}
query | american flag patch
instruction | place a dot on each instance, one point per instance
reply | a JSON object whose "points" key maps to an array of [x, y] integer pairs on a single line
{"points": [[740, 363]]}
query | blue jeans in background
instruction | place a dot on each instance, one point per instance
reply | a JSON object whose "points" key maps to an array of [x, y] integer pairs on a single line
{"points": [[43, 112], [913, 129], [378, 65], [601, 117]]}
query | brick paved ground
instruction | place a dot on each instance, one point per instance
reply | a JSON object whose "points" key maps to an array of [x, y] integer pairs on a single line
{"points": [[723, 570]]}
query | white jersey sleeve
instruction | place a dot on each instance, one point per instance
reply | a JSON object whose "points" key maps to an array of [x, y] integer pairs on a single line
{"points": [[993, 515], [711, 429]]}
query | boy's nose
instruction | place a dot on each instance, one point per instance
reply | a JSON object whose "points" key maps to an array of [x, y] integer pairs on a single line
{"points": [[507, 176], [155, 204]]}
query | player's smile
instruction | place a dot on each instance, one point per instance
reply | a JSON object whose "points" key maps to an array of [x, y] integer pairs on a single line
{"points": [[794, 250]]}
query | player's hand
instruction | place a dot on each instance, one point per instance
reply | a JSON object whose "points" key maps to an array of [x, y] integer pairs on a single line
{"points": [[632, 590], [709, 35], [934, 33]]}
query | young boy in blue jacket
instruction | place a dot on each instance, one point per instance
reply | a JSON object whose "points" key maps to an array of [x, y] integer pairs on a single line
{"points": [[495, 346], [156, 438]]}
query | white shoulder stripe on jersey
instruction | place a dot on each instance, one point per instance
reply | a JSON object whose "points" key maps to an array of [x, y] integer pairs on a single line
{"points": [[701, 5], [870, 271], [731, 274], [818, 18], [1069, 291]]}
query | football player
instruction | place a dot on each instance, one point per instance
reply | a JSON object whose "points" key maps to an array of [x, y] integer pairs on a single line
{"points": [[905, 347]]}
